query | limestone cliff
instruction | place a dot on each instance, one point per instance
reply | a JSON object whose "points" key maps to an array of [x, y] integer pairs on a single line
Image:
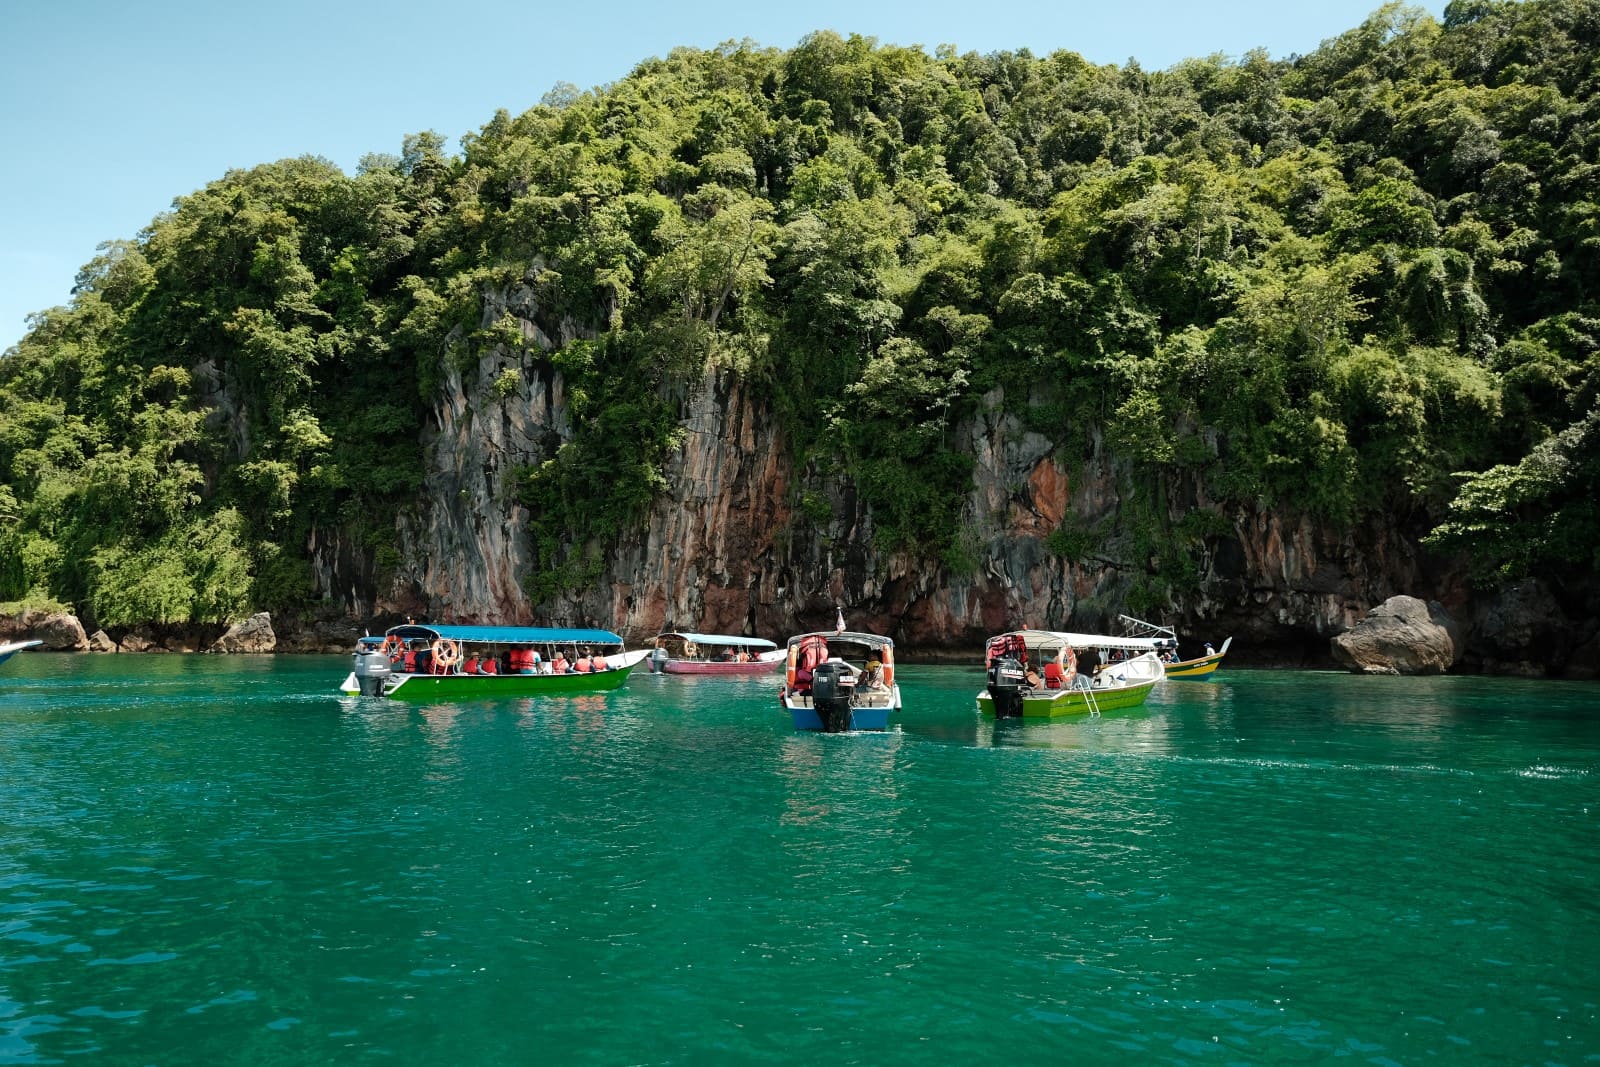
{"points": [[727, 550]]}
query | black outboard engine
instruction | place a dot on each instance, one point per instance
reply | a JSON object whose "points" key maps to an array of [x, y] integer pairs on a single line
{"points": [[658, 660], [1005, 688], [830, 697], [372, 670]]}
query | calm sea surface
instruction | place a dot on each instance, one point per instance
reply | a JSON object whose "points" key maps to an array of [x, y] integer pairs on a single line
{"points": [[221, 860]]}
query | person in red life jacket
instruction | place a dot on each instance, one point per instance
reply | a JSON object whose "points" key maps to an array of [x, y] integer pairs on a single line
{"points": [[489, 665], [520, 660], [584, 664], [410, 660], [559, 664], [598, 662], [470, 666]]}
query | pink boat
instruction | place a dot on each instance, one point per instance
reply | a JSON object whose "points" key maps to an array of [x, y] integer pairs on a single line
{"points": [[689, 653]]}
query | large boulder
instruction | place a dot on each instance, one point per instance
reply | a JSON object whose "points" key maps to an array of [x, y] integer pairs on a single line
{"points": [[100, 641], [1403, 635], [61, 633], [251, 635]]}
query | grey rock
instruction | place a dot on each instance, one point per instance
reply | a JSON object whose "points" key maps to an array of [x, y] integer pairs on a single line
{"points": [[250, 635], [100, 641], [1403, 635]]}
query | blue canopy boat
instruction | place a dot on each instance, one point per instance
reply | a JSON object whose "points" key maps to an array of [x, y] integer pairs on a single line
{"points": [[427, 662], [11, 648]]}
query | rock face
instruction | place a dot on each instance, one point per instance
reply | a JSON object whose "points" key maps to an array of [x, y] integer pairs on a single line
{"points": [[251, 635], [727, 548], [1403, 635], [62, 633]]}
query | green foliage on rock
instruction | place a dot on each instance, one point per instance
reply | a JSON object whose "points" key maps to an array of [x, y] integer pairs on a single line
{"points": [[1355, 281]]}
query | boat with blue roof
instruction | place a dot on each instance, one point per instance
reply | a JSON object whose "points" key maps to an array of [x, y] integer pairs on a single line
{"points": [[425, 661]]}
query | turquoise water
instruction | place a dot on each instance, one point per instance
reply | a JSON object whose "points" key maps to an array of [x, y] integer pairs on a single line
{"points": [[219, 859]]}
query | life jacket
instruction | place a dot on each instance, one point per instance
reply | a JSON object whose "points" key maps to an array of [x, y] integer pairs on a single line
{"points": [[471, 666], [489, 665], [559, 664], [584, 665], [1006, 646], [521, 659], [599, 663], [813, 652], [411, 661]]}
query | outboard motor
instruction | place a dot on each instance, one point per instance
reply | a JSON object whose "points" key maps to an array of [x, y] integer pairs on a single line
{"points": [[658, 660], [1005, 688], [372, 670], [830, 697]]}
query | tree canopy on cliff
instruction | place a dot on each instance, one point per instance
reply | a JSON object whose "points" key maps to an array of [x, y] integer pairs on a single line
{"points": [[1358, 280]]}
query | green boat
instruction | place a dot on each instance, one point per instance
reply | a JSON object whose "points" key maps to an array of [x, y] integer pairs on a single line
{"points": [[1045, 674], [425, 662]]}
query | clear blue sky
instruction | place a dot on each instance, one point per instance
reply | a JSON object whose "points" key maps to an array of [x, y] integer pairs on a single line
{"points": [[110, 109]]}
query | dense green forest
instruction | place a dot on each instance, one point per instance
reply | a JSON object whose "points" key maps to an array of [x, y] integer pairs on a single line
{"points": [[1360, 280]]}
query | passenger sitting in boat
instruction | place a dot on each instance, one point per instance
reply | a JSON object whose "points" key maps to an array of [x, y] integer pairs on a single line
{"points": [[598, 662], [584, 664], [559, 664], [871, 678], [1032, 678], [409, 661], [802, 682], [520, 660], [470, 665], [488, 665]]}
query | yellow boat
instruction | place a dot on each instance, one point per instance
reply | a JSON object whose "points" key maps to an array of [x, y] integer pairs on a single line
{"points": [[1198, 668], [1167, 642]]}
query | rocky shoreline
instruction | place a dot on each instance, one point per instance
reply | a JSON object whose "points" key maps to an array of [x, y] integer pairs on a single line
{"points": [[1402, 636]]}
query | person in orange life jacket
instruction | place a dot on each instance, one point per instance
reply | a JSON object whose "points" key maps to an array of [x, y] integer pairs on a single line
{"points": [[559, 664], [489, 665], [410, 660], [520, 660], [584, 664], [598, 662]]}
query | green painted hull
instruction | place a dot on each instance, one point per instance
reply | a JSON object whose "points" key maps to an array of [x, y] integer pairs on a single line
{"points": [[431, 687], [1059, 704]]}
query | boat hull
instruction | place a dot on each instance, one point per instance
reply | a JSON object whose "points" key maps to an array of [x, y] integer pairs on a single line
{"points": [[1201, 668], [1069, 703], [11, 649], [431, 687], [693, 666], [860, 718]]}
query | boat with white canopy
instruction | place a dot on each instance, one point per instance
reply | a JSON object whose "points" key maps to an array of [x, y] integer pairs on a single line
{"points": [[1050, 674], [680, 652]]}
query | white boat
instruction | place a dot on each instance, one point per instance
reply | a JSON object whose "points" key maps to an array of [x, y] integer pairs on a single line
{"points": [[823, 690], [11, 648]]}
